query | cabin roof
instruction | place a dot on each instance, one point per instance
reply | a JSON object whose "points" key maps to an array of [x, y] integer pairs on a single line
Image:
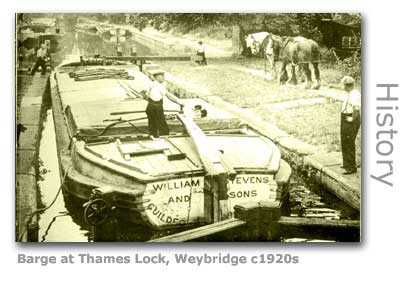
{"points": [[250, 152]]}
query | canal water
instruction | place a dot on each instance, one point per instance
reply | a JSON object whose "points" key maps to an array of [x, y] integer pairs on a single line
{"points": [[86, 44], [56, 224], [62, 222]]}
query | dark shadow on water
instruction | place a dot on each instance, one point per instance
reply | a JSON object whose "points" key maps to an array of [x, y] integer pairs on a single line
{"points": [[114, 229]]}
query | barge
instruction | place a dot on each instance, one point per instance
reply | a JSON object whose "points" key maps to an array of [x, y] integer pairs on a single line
{"points": [[193, 176]]}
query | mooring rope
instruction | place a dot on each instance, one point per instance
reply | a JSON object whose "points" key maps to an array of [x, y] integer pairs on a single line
{"points": [[38, 211], [51, 223]]}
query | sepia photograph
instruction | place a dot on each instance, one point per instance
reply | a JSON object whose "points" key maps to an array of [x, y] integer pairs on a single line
{"points": [[188, 127]]}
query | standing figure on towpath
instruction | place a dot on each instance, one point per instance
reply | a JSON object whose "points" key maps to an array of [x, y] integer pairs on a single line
{"points": [[201, 52], [156, 93], [350, 123], [271, 49], [119, 50], [42, 55], [134, 51]]}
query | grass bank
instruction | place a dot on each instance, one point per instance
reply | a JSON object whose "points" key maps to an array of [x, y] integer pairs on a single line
{"points": [[317, 124]]}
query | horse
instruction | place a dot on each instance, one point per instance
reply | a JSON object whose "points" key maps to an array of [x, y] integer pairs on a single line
{"points": [[293, 52], [300, 51]]}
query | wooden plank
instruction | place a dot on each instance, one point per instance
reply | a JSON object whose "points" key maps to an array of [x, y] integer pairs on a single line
{"points": [[152, 163], [125, 156], [143, 163], [183, 145], [153, 58], [184, 161], [217, 168], [140, 111], [211, 159], [208, 230], [298, 221]]}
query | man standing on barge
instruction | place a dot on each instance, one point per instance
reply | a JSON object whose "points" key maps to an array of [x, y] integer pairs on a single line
{"points": [[156, 93]]}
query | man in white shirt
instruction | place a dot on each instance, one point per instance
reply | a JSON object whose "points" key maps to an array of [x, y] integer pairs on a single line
{"points": [[156, 93], [42, 55], [350, 123], [269, 53]]}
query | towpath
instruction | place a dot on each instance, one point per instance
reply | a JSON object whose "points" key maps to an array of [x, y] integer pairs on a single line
{"points": [[29, 105]]}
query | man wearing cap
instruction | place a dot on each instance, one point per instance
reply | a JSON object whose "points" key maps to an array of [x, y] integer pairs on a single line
{"points": [[350, 123], [41, 60], [156, 93]]}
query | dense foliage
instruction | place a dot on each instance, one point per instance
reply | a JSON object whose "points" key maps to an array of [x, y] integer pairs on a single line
{"points": [[285, 24]]}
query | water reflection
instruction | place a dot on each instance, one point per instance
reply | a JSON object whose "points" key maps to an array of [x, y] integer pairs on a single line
{"points": [[55, 224], [90, 44]]}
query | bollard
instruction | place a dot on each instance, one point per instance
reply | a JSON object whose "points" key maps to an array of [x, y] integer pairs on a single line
{"points": [[270, 213], [248, 212], [262, 220]]}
